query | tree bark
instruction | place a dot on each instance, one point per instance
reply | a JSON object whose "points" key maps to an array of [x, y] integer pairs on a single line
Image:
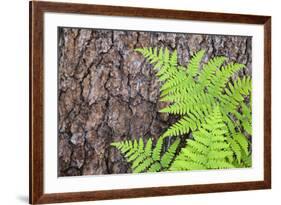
{"points": [[108, 92]]}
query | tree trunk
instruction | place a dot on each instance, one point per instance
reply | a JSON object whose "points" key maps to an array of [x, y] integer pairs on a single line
{"points": [[107, 92]]}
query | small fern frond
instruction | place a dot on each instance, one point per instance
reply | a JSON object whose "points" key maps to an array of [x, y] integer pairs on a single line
{"points": [[237, 91], [185, 105], [181, 79], [144, 158], [169, 155], [157, 150], [181, 127], [248, 161], [163, 62], [218, 83], [194, 63], [148, 147], [235, 148], [174, 80], [247, 126], [184, 164], [174, 59], [209, 70], [242, 141], [156, 167]]}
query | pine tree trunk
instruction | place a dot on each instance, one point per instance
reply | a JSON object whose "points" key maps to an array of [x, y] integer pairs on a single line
{"points": [[107, 92]]}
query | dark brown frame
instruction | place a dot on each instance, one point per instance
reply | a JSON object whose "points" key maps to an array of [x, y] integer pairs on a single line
{"points": [[36, 192]]}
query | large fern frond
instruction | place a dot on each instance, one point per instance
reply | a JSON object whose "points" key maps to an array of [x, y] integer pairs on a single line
{"points": [[208, 149], [194, 92]]}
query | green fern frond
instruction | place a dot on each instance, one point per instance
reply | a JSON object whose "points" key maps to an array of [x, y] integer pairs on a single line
{"points": [[146, 158], [156, 153], [240, 146], [148, 147], [236, 93], [209, 148], [248, 161], [218, 83], [183, 126], [156, 167], [174, 59], [242, 141], [209, 70], [194, 94], [184, 105], [174, 80], [163, 62], [187, 85], [235, 148], [192, 68], [169, 155]]}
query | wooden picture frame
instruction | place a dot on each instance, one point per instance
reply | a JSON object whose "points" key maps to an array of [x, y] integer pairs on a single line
{"points": [[36, 146]]}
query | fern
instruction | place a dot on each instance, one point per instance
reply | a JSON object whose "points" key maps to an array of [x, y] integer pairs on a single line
{"points": [[214, 110], [145, 157], [195, 92], [209, 148]]}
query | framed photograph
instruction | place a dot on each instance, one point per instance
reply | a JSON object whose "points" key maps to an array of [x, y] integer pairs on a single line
{"points": [[135, 102]]}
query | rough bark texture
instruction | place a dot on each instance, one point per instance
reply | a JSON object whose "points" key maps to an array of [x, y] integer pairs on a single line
{"points": [[107, 92]]}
